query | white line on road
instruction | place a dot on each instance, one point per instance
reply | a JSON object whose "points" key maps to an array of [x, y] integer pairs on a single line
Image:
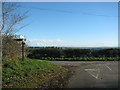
{"points": [[90, 69], [93, 70], [98, 73], [108, 67]]}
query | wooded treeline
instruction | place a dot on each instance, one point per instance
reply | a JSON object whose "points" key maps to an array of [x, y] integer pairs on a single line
{"points": [[71, 52]]}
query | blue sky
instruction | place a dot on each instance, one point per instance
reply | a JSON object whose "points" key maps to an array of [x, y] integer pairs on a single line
{"points": [[77, 24]]}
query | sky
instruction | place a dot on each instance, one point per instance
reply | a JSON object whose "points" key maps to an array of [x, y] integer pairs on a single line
{"points": [[71, 24]]}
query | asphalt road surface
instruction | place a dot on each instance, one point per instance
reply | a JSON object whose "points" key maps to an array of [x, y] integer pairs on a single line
{"points": [[92, 74]]}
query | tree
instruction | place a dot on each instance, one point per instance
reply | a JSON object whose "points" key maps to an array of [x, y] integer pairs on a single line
{"points": [[11, 22], [0, 33], [12, 18]]}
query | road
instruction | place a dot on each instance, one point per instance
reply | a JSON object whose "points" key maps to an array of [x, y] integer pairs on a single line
{"points": [[92, 74]]}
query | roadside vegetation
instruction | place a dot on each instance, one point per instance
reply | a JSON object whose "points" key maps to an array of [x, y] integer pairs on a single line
{"points": [[73, 54], [82, 59], [30, 73]]}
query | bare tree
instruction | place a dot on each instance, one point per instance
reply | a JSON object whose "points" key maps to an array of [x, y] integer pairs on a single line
{"points": [[11, 23], [0, 47], [0, 32], [12, 18]]}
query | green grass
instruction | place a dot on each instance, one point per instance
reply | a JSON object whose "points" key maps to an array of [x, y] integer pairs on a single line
{"points": [[28, 73], [82, 58]]}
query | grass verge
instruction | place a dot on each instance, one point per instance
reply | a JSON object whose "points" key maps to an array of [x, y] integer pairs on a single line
{"points": [[82, 59], [30, 73]]}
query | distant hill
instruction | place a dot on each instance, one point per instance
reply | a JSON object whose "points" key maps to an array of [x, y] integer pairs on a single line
{"points": [[91, 47], [83, 47]]}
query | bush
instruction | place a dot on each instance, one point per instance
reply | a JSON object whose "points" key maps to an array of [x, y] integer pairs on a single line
{"points": [[11, 49]]}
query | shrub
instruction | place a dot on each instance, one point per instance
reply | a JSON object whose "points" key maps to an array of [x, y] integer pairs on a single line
{"points": [[11, 49]]}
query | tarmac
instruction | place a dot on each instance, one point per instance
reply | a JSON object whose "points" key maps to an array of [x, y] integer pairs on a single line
{"points": [[92, 74]]}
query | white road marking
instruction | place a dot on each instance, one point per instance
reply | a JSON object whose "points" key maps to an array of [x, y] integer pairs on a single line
{"points": [[108, 67], [98, 73], [92, 70]]}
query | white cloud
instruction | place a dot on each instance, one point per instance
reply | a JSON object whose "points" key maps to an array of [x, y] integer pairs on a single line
{"points": [[40, 42], [60, 43]]}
